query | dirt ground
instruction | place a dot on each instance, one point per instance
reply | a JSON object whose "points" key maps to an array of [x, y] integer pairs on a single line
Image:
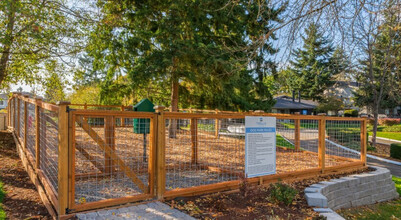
{"points": [[22, 201], [256, 204]]}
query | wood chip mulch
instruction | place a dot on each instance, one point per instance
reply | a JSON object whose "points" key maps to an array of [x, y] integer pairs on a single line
{"points": [[22, 201], [256, 204]]}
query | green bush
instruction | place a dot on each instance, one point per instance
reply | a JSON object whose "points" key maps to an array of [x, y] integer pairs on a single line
{"points": [[394, 128], [395, 151], [351, 113], [283, 193]]}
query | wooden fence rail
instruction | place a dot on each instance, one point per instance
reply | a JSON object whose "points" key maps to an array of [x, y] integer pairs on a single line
{"points": [[78, 136]]}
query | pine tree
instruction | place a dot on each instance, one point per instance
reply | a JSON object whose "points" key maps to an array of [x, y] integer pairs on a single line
{"points": [[309, 71], [186, 43], [54, 83]]}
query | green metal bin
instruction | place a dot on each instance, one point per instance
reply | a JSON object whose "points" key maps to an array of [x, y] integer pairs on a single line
{"points": [[142, 125]]}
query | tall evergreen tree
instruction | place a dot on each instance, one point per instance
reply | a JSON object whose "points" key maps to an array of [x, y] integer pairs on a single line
{"points": [[54, 83], [185, 43], [309, 71]]}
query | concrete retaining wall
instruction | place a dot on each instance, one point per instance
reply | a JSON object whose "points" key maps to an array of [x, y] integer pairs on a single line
{"points": [[352, 191]]}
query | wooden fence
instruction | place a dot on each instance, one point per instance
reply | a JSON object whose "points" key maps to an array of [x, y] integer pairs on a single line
{"points": [[82, 159]]}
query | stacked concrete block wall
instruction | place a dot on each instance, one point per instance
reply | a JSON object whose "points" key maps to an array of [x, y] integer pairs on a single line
{"points": [[353, 191]]}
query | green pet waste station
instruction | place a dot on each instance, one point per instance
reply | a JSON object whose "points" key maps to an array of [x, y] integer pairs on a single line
{"points": [[142, 125]]}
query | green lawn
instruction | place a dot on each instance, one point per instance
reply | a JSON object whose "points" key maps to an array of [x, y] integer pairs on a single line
{"points": [[390, 135], [397, 182], [2, 194], [386, 210], [329, 125], [280, 141]]}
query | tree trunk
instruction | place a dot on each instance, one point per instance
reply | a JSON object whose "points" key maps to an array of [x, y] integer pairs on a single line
{"points": [[9, 39], [172, 131]]}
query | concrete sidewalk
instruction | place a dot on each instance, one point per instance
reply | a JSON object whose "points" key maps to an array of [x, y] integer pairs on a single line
{"points": [[394, 169], [148, 211]]}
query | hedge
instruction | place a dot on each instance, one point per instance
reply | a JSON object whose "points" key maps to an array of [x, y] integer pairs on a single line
{"points": [[389, 121], [395, 151], [394, 128], [351, 113]]}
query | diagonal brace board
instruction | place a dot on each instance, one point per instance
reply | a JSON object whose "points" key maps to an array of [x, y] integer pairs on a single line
{"points": [[110, 153]]}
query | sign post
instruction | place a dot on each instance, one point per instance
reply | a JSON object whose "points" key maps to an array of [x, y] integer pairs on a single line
{"points": [[260, 146]]}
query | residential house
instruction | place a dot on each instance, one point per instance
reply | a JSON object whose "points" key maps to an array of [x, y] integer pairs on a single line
{"points": [[343, 90], [3, 101], [289, 105]]}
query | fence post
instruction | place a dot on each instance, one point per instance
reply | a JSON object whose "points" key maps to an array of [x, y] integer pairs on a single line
{"points": [[160, 153], [194, 140], [297, 123], [14, 113], [122, 118], [25, 121], [363, 141], [9, 112], [216, 125], [37, 126], [322, 143], [18, 115], [63, 157], [109, 134]]}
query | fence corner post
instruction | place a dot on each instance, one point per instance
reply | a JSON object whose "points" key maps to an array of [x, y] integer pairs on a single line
{"points": [[160, 153], [38, 101], [322, 143], [63, 157], [364, 141]]}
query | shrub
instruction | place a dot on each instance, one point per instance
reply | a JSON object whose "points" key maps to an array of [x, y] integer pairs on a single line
{"points": [[369, 147], [389, 121], [283, 193], [395, 151], [394, 128], [351, 113], [371, 121]]}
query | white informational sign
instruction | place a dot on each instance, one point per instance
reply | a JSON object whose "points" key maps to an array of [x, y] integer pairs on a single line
{"points": [[260, 146]]}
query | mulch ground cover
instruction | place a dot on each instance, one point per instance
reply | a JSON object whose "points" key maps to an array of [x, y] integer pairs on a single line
{"points": [[22, 201], [251, 203]]}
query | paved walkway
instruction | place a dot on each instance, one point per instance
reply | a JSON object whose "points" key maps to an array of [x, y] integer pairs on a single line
{"points": [[384, 141], [394, 169], [152, 210]]}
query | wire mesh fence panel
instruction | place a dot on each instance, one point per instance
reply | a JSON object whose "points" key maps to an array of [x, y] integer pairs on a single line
{"points": [[31, 130], [110, 161], [21, 121], [228, 144], [195, 156], [49, 146], [343, 139], [297, 145]]}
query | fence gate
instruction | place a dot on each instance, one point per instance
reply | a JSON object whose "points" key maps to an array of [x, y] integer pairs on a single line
{"points": [[112, 157]]}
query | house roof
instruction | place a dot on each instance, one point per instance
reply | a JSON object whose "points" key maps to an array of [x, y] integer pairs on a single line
{"points": [[285, 102]]}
